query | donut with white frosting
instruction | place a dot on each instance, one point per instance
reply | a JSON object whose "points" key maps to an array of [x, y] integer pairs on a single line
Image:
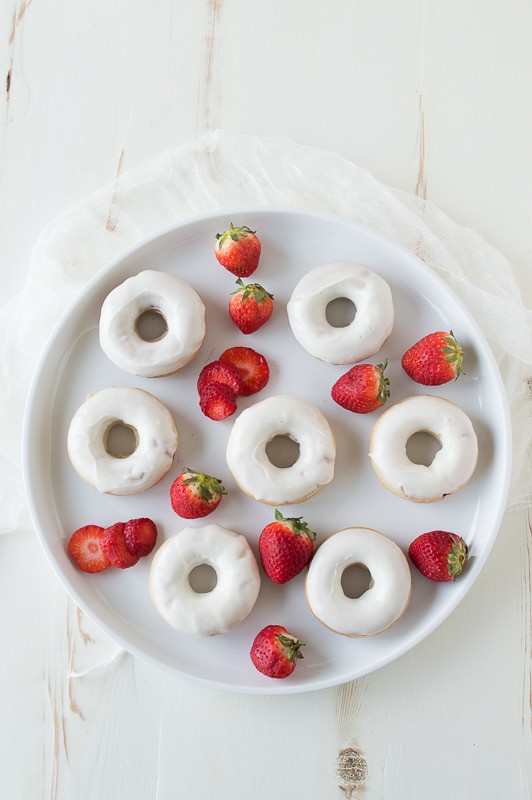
{"points": [[248, 460], [155, 436], [381, 605], [177, 303], [453, 464], [365, 334], [237, 580]]}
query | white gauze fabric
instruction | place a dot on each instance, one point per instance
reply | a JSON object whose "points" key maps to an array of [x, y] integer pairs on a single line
{"points": [[221, 170]]}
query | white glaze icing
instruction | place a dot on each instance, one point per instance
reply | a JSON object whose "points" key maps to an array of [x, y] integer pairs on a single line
{"points": [[451, 467], [371, 326], [208, 613], [181, 308], [281, 416], [381, 605], [156, 433]]}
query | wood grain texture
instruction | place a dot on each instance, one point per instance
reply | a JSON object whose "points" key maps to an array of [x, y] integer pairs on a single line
{"points": [[434, 99]]}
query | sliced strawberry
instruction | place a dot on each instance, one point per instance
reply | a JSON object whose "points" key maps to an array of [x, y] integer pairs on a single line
{"points": [[115, 548], [217, 401], [141, 536], [252, 365], [85, 549], [221, 372]]}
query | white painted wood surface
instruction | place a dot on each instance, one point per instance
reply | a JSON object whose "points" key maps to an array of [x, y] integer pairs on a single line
{"points": [[432, 97]]}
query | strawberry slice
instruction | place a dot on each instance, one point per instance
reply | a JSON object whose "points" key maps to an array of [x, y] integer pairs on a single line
{"points": [[252, 365], [85, 549], [115, 548], [217, 401], [140, 535], [220, 372]]}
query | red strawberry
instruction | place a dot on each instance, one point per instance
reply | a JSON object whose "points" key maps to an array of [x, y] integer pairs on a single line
{"points": [[85, 549], [238, 250], [363, 389], [140, 535], [439, 555], [285, 546], [252, 365], [435, 359], [217, 401], [194, 494], [250, 306], [115, 548], [274, 651], [220, 372]]}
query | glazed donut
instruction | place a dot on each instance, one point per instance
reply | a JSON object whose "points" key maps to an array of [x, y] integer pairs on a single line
{"points": [[371, 326], [257, 426], [381, 605], [451, 467], [155, 435], [181, 309], [208, 613]]}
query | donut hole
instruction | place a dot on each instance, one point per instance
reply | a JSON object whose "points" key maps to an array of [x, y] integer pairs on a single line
{"points": [[282, 451], [422, 447], [340, 312], [203, 579], [151, 326], [356, 580], [121, 440]]}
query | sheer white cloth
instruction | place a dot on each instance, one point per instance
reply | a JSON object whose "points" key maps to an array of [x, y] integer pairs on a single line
{"points": [[222, 170]]}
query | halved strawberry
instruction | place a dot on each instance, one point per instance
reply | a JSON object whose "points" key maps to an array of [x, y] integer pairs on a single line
{"points": [[141, 536], [217, 401], [252, 365], [115, 548], [85, 549], [221, 372]]}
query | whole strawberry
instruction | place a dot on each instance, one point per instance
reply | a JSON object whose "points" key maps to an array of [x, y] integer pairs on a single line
{"points": [[194, 494], [363, 389], [439, 555], [435, 359], [250, 306], [286, 546], [238, 250], [274, 651]]}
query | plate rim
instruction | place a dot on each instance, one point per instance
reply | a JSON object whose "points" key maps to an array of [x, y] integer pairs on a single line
{"points": [[284, 687]]}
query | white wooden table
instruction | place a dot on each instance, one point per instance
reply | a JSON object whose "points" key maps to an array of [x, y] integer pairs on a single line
{"points": [[434, 98]]}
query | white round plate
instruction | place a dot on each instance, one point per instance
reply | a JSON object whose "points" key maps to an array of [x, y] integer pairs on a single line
{"points": [[293, 242]]}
